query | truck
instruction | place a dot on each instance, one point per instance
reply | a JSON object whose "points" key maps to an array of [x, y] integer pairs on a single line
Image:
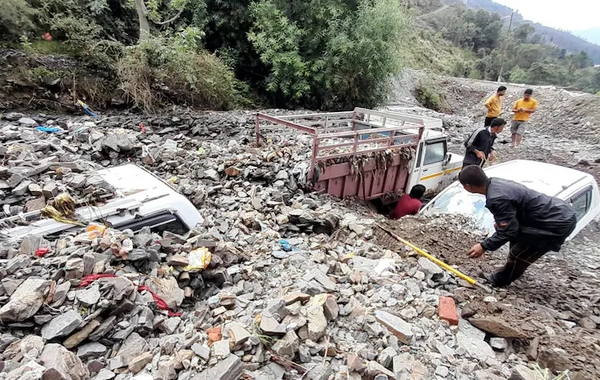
{"points": [[140, 200], [369, 154]]}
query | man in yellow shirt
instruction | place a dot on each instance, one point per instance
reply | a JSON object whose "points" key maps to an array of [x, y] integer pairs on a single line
{"points": [[494, 105], [523, 109]]}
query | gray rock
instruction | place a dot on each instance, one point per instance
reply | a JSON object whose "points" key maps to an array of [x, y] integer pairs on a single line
{"points": [[62, 325], [28, 371], [270, 325], [132, 347], [228, 369], [407, 367], [61, 363], [521, 372], [102, 330], [238, 334], [170, 325], [396, 326], [21, 188], [90, 296], [317, 324], [288, 345], [429, 266], [476, 347], [50, 190], [28, 122], [201, 350], [220, 349], [25, 301], [276, 308], [10, 285], [386, 357], [374, 369], [18, 262], [91, 350], [499, 343], [105, 374], [30, 245], [60, 293], [15, 179], [168, 290]]}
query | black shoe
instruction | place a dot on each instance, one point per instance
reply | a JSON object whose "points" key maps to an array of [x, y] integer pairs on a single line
{"points": [[489, 278]]}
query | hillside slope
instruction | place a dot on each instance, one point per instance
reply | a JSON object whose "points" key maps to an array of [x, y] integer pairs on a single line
{"points": [[561, 38]]}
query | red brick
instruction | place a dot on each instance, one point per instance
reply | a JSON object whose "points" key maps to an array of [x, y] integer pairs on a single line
{"points": [[447, 310]]}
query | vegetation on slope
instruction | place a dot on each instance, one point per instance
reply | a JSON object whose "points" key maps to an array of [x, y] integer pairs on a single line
{"points": [[523, 55], [217, 54]]}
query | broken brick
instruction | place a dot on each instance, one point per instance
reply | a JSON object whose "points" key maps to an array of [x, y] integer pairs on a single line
{"points": [[447, 310]]}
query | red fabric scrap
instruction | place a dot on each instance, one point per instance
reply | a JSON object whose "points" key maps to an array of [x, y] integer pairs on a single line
{"points": [[86, 280], [159, 301], [41, 252]]}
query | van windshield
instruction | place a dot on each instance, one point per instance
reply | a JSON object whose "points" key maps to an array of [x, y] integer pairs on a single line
{"points": [[456, 200]]}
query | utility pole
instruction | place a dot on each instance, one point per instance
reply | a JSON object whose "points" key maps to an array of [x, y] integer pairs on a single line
{"points": [[505, 47]]}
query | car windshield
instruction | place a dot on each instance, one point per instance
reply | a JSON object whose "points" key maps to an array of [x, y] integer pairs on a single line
{"points": [[456, 200]]}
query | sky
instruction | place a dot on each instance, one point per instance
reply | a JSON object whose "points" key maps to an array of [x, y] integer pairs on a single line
{"points": [[572, 15]]}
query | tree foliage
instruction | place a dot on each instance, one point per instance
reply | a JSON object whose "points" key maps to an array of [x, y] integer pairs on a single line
{"points": [[335, 54], [313, 53]]}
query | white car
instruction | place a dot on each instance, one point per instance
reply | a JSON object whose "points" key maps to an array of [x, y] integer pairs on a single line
{"points": [[141, 200], [578, 188]]}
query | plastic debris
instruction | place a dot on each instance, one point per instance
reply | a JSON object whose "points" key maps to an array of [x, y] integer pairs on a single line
{"points": [[198, 259]]}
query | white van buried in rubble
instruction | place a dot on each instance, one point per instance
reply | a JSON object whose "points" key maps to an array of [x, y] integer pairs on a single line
{"points": [[578, 188], [141, 200]]}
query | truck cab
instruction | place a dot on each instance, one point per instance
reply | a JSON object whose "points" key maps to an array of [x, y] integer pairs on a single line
{"points": [[434, 167], [140, 200]]}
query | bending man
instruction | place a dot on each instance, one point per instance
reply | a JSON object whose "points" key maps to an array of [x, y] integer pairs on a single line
{"points": [[533, 223]]}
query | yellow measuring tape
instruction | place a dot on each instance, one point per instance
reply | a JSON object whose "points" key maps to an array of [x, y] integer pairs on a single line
{"points": [[436, 261]]}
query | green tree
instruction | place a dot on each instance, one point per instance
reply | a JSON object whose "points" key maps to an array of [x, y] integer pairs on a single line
{"points": [[336, 54]]}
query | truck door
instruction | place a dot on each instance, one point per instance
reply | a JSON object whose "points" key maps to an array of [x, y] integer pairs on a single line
{"points": [[428, 169]]}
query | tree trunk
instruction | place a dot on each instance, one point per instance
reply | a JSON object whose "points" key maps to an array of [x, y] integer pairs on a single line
{"points": [[144, 26]]}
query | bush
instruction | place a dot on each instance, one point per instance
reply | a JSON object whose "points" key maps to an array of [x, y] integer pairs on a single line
{"points": [[428, 97], [163, 70]]}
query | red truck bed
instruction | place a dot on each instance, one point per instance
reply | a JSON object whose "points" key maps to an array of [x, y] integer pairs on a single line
{"points": [[362, 153]]}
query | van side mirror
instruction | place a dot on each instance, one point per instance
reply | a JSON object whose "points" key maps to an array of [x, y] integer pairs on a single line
{"points": [[447, 159]]}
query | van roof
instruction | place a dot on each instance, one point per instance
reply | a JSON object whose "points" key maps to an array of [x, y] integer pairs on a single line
{"points": [[545, 178], [134, 182]]}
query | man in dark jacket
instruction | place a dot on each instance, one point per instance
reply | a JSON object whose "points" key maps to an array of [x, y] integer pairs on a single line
{"points": [[533, 223], [480, 146]]}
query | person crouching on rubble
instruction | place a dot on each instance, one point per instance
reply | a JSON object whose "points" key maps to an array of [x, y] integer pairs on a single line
{"points": [[410, 203], [533, 223]]}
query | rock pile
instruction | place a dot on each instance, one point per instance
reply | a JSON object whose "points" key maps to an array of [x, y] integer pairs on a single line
{"points": [[298, 286]]}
